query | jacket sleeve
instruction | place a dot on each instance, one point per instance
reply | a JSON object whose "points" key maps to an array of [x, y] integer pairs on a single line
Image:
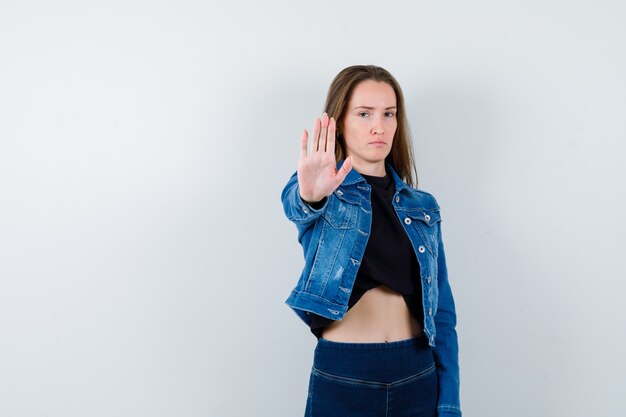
{"points": [[296, 209], [446, 350]]}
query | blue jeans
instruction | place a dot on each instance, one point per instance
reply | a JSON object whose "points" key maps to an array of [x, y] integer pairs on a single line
{"points": [[386, 379]]}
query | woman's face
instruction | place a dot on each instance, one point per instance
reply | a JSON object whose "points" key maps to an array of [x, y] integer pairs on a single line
{"points": [[369, 125]]}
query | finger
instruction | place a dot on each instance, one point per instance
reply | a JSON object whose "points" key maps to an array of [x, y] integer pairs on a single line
{"points": [[316, 135], [303, 144], [322, 141], [330, 142]]}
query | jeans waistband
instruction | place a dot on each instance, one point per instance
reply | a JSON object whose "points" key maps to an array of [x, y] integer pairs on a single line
{"points": [[380, 361]]}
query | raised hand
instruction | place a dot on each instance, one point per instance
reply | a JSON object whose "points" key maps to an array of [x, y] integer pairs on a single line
{"points": [[318, 176]]}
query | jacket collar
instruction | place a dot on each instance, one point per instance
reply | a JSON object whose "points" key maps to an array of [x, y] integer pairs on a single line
{"points": [[354, 177]]}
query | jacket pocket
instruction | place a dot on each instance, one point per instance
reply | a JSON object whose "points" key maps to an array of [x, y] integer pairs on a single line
{"points": [[425, 222], [342, 209]]}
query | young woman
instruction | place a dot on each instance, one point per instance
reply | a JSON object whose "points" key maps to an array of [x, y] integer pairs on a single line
{"points": [[374, 289]]}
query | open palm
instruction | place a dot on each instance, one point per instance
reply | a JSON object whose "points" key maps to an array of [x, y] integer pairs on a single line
{"points": [[318, 176]]}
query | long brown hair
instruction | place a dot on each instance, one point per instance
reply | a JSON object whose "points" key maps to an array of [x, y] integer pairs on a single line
{"points": [[339, 93]]}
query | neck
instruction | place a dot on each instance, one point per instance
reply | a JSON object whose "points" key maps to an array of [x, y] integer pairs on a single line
{"points": [[375, 169]]}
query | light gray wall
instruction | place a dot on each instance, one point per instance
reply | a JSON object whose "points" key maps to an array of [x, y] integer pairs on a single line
{"points": [[144, 256]]}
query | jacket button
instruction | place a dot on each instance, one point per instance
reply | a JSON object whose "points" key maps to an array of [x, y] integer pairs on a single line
{"points": [[427, 217], [421, 249], [397, 199], [430, 311], [304, 209], [339, 192], [428, 279], [407, 221]]}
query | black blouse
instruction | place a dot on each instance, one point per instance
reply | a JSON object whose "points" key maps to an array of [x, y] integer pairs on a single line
{"points": [[389, 258]]}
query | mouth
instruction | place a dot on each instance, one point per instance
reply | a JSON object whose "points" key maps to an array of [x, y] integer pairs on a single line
{"points": [[378, 143]]}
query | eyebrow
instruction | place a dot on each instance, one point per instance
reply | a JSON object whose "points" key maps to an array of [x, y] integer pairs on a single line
{"points": [[373, 108]]}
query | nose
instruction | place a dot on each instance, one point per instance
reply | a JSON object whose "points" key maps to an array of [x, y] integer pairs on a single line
{"points": [[377, 128]]}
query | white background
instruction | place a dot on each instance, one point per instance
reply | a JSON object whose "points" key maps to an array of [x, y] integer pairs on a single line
{"points": [[144, 255]]}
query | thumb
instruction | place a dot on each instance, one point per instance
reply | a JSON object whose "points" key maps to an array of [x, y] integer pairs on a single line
{"points": [[344, 170]]}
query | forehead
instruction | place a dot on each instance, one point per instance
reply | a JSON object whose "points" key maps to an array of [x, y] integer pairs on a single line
{"points": [[372, 93]]}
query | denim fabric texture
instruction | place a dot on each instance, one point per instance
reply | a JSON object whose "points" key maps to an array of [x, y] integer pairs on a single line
{"points": [[373, 380], [333, 239]]}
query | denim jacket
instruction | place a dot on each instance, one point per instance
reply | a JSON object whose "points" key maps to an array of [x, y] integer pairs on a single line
{"points": [[334, 237]]}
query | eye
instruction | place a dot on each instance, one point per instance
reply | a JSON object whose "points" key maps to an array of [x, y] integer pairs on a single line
{"points": [[390, 114], [364, 114]]}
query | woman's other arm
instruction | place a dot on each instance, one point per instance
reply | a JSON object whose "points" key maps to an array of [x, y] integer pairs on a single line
{"points": [[446, 350]]}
